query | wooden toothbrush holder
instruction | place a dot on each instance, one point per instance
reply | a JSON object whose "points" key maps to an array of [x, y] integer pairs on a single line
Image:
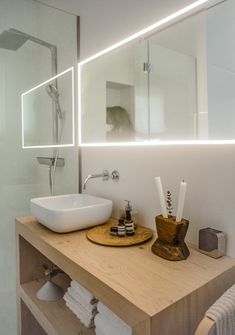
{"points": [[170, 242]]}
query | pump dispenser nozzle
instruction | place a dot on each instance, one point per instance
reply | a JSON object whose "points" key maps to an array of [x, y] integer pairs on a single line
{"points": [[129, 224], [128, 206], [128, 209]]}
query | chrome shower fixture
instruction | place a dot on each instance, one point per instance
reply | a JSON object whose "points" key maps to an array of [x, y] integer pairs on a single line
{"points": [[13, 39], [53, 93], [50, 161]]}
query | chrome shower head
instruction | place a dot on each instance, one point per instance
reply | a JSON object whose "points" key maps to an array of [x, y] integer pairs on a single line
{"points": [[11, 39]]}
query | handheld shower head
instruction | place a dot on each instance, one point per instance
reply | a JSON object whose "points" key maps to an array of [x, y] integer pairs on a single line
{"points": [[53, 93]]}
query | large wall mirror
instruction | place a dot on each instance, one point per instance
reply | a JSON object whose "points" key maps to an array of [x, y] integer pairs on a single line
{"points": [[176, 84]]}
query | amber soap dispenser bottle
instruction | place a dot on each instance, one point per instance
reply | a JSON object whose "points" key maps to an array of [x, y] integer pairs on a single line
{"points": [[129, 224]]}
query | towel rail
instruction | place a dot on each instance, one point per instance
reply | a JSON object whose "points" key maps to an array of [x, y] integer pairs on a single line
{"points": [[206, 327]]}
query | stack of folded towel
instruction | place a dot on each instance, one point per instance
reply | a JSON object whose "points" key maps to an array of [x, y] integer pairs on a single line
{"points": [[108, 323], [82, 303]]}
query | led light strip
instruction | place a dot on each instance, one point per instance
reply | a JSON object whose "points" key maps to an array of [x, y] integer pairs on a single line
{"points": [[155, 25], [71, 69], [195, 6], [161, 143]]}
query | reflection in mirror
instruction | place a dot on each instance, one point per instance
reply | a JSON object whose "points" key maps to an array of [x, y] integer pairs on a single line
{"points": [[119, 112], [48, 113], [121, 128], [173, 85]]}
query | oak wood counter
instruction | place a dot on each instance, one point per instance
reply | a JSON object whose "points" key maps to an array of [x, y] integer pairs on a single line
{"points": [[154, 296]]}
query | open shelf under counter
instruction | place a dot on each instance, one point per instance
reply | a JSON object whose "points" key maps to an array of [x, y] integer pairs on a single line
{"points": [[54, 317], [152, 295]]}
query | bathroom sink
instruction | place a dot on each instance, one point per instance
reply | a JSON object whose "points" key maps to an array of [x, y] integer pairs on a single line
{"points": [[65, 213]]}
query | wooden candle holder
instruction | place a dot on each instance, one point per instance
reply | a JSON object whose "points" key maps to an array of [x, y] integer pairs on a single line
{"points": [[170, 242]]}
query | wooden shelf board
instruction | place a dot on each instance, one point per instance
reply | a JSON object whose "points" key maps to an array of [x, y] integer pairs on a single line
{"points": [[54, 317]]}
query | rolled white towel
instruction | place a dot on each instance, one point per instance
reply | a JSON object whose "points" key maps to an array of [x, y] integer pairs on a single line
{"points": [[86, 311], [113, 319], [111, 326], [88, 296], [87, 318], [223, 313], [81, 301], [87, 322]]}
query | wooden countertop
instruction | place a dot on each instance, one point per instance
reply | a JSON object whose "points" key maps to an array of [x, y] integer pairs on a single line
{"points": [[143, 282]]}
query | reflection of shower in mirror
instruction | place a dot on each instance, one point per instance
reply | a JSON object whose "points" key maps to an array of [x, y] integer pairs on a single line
{"points": [[121, 126]]}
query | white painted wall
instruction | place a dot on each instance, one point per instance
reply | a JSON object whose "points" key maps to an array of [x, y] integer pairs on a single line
{"points": [[209, 169]]}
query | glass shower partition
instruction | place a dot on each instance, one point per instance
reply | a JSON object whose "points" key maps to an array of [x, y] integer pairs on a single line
{"points": [[22, 178]]}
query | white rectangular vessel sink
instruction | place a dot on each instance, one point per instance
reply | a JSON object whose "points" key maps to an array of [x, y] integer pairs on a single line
{"points": [[65, 213]]}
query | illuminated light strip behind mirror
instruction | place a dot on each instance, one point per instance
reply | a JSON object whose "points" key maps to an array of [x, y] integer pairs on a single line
{"points": [[192, 8], [162, 143], [71, 69]]}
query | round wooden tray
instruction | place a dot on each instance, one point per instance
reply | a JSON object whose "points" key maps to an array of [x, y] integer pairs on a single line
{"points": [[100, 235]]}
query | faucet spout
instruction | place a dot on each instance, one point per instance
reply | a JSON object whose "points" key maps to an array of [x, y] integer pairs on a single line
{"points": [[86, 180], [104, 175]]}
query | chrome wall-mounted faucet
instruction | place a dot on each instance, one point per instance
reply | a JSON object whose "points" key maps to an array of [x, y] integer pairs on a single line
{"points": [[104, 175]]}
